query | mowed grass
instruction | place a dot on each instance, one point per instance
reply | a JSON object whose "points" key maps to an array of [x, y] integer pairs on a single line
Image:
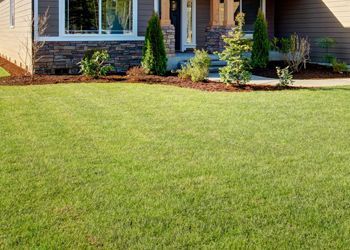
{"points": [[119, 166], [3, 72]]}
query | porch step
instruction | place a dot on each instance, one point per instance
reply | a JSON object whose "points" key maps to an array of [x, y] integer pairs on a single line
{"points": [[215, 64]]}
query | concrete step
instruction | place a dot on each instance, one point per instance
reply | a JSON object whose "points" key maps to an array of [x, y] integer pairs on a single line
{"points": [[214, 69], [214, 65], [217, 63]]}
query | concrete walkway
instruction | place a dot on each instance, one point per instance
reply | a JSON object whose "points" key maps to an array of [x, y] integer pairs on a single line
{"points": [[301, 83]]}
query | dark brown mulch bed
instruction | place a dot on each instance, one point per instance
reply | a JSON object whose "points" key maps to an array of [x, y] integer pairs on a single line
{"points": [[18, 77], [313, 71], [166, 80], [13, 69]]}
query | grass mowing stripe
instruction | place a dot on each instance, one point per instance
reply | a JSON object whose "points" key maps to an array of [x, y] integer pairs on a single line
{"points": [[139, 166]]}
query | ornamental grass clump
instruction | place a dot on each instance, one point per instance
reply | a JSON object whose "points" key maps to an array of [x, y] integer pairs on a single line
{"points": [[94, 64], [197, 68], [285, 76], [237, 69], [261, 43], [299, 53], [154, 59]]}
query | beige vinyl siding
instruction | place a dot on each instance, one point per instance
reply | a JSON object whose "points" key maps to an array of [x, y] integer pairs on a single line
{"points": [[15, 42], [316, 19], [203, 19], [51, 6]]}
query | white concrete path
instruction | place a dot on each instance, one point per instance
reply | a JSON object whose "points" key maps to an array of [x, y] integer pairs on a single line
{"points": [[301, 83]]}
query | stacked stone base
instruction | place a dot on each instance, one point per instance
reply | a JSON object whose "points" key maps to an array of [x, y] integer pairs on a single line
{"points": [[169, 39], [63, 57], [215, 42]]}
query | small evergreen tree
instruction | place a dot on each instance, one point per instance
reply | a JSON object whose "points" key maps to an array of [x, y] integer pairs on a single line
{"points": [[154, 59], [237, 69], [261, 44]]}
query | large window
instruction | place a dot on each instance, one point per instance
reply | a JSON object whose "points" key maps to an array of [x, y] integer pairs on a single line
{"points": [[251, 9], [98, 16]]}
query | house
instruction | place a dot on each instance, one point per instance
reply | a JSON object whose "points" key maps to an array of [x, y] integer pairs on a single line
{"points": [[75, 26]]}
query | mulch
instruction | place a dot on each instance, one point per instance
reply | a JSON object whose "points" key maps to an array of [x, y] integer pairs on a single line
{"points": [[312, 71], [20, 78], [163, 80], [13, 69]]}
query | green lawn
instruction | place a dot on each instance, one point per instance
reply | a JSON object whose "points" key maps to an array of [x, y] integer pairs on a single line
{"points": [[3, 72], [144, 167]]}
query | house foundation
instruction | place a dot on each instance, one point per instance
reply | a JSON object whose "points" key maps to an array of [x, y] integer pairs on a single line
{"points": [[215, 41], [63, 57], [169, 39]]}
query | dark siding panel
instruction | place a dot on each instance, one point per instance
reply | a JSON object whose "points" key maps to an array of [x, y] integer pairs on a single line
{"points": [[52, 6], [316, 19], [145, 10], [270, 16], [203, 19]]}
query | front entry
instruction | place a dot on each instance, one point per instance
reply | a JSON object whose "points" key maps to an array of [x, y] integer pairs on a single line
{"points": [[175, 17]]}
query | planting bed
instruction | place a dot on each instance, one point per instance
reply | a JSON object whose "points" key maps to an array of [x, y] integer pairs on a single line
{"points": [[20, 78], [312, 71], [166, 80]]}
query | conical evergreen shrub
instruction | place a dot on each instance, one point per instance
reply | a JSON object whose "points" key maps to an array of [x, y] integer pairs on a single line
{"points": [[261, 43], [154, 59]]}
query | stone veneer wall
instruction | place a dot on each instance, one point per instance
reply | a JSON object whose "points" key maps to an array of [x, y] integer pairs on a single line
{"points": [[169, 39], [63, 57], [214, 38]]}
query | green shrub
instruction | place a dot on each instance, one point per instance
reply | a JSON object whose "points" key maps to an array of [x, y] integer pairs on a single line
{"points": [[237, 69], [94, 64], [299, 53], [154, 59], [285, 76], [284, 44], [197, 69], [327, 43], [261, 43], [339, 67], [274, 44]]}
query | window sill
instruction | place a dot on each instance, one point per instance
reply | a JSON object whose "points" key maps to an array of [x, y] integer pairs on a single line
{"points": [[87, 38]]}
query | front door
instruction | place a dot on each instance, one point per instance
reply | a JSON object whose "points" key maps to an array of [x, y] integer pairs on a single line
{"points": [[175, 17]]}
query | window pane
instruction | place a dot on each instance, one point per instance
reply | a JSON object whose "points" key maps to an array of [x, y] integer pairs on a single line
{"points": [[189, 22], [116, 16], [82, 16], [250, 8]]}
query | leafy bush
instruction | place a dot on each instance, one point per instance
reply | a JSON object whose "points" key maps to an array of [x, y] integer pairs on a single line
{"points": [[136, 72], [284, 45], [327, 43], [285, 76], [339, 67], [274, 44], [94, 64], [197, 69], [154, 59], [261, 43], [299, 53], [237, 69]]}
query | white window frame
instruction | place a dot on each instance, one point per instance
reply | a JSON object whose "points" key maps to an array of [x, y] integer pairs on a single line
{"points": [[263, 8], [262, 4], [62, 36], [63, 22], [12, 9], [184, 44]]}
